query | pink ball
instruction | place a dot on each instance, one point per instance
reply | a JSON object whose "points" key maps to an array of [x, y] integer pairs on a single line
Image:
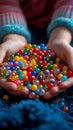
{"points": [[15, 63], [17, 82]]}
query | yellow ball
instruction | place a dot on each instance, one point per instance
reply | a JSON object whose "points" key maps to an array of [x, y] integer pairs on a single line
{"points": [[59, 76], [65, 68], [24, 61], [33, 62], [28, 46], [17, 58], [5, 97], [14, 78], [24, 73], [21, 58], [55, 66], [20, 87], [57, 60], [34, 87]]}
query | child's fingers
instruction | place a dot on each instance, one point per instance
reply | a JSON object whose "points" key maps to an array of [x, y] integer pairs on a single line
{"points": [[23, 91], [2, 54], [53, 92], [8, 85], [59, 88], [66, 84]]}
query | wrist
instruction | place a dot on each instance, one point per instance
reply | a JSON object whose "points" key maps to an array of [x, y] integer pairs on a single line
{"points": [[61, 34], [15, 37]]}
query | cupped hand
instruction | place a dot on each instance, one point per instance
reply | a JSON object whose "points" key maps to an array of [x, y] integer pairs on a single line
{"points": [[11, 44], [59, 42]]}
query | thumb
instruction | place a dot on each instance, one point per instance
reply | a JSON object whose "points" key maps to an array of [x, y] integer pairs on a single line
{"points": [[69, 57], [2, 53]]}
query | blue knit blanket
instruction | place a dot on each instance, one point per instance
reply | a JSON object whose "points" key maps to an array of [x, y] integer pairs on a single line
{"points": [[26, 114]]}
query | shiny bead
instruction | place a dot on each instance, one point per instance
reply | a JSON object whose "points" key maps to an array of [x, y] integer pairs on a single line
{"points": [[12, 68], [21, 76], [20, 87], [52, 80], [50, 85], [65, 68], [19, 71], [64, 72], [37, 70], [32, 95], [65, 109], [20, 63], [6, 97], [15, 63], [59, 76], [17, 82], [62, 104], [24, 73], [26, 50], [15, 77], [55, 66], [64, 78], [34, 87], [42, 92], [37, 91], [16, 58], [50, 66], [32, 62], [36, 81], [46, 72], [70, 73], [42, 81], [57, 60]]}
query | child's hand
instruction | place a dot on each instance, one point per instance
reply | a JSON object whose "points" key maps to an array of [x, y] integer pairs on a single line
{"points": [[11, 44], [59, 42]]}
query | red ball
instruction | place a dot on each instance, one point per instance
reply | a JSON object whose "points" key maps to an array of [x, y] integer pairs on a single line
{"points": [[26, 57], [39, 57], [61, 66], [70, 73], [50, 85], [52, 71], [29, 69], [20, 52], [44, 63], [31, 78], [42, 81], [35, 50]]}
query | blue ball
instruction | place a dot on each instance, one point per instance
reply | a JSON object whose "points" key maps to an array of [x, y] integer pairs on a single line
{"points": [[20, 63], [64, 78], [37, 91], [12, 60], [62, 104], [37, 70], [21, 76], [40, 77], [24, 53], [12, 68], [34, 73], [19, 71], [46, 72]]}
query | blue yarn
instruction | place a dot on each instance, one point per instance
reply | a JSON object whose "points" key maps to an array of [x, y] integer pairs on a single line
{"points": [[14, 29], [36, 114], [60, 21]]}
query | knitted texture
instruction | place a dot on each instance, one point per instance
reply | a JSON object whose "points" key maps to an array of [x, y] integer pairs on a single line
{"points": [[14, 29], [58, 22]]}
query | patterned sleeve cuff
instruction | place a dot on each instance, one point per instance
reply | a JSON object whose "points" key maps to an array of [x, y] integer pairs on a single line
{"points": [[14, 29], [60, 21]]}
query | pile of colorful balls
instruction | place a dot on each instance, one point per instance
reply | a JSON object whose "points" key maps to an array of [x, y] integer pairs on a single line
{"points": [[35, 67]]}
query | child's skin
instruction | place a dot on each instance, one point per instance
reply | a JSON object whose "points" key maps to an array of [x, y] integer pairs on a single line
{"points": [[59, 42]]}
